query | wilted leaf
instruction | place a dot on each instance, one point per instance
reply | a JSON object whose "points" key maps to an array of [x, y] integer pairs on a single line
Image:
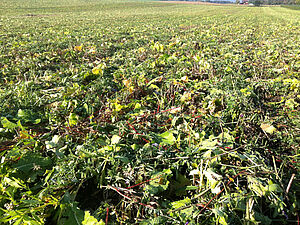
{"points": [[186, 97], [256, 186], [56, 142], [194, 172], [184, 79], [214, 180], [13, 182], [268, 128], [115, 139]]}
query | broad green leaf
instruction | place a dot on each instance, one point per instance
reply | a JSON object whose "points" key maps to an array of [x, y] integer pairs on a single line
{"points": [[32, 165], [71, 213], [274, 188], [73, 119], [160, 182], [28, 116], [181, 203], [154, 221], [168, 138], [263, 219], [7, 124], [137, 106], [123, 159], [180, 185]]}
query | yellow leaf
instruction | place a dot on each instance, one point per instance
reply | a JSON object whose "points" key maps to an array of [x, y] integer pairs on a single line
{"points": [[24, 134], [268, 128], [131, 89], [78, 48], [96, 70], [127, 83], [175, 82]]}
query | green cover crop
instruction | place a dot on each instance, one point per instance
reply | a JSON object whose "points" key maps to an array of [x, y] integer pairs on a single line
{"points": [[138, 112]]}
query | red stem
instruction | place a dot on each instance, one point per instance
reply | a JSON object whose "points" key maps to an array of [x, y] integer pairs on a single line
{"points": [[106, 219]]}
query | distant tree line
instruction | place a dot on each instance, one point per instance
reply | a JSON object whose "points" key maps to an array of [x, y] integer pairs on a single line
{"points": [[279, 2], [274, 2], [255, 2]]}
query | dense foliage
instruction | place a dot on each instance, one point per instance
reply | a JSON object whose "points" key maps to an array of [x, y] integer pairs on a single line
{"points": [[148, 112]]}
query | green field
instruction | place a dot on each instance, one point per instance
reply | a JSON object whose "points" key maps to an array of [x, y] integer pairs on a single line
{"points": [[139, 112]]}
